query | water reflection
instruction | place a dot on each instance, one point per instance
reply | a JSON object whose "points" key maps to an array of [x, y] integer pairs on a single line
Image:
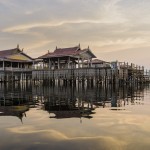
{"points": [[66, 101]]}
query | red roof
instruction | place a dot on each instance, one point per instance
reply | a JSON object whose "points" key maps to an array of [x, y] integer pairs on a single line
{"points": [[45, 55], [61, 52], [70, 50]]}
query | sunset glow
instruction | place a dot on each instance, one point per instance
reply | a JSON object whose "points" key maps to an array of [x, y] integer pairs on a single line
{"points": [[114, 29]]}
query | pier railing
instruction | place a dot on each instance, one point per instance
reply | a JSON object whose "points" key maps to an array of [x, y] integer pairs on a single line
{"points": [[77, 73], [99, 74], [15, 69]]}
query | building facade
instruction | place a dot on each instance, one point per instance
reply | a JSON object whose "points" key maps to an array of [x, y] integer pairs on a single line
{"points": [[14, 64]]}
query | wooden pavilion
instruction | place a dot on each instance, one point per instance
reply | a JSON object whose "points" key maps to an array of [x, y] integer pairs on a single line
{"points": [[14, 64], [67, 58]]}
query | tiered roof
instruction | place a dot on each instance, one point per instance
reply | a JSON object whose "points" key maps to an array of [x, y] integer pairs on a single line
{"points": [[71, 51], [15, 55]]}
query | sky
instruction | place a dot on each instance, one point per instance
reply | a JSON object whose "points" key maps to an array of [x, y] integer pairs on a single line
{"points": [[113, 29]]}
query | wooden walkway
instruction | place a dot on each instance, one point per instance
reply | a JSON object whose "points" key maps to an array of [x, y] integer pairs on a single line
{"points": [[104, 75], [87, 75]]}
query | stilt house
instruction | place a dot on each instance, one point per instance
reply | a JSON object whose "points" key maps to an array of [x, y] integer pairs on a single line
{"points": [[67, 58], [14, 64]]}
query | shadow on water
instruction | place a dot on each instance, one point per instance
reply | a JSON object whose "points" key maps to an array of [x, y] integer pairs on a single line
{"points": [[66, 101]]}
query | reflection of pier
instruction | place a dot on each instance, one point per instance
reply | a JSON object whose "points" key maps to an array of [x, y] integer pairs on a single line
{"points": [[66, 101], [14, 99], [71, 114], [15, 94], [62, 110]]}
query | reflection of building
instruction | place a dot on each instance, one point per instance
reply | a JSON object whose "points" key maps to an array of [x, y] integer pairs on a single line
{"points": [[13, 111], [15, 99], [65, 101], [15, 94], [60, 114]]}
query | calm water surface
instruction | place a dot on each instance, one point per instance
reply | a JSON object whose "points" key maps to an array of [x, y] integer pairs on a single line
{"points": [[77, 118]]}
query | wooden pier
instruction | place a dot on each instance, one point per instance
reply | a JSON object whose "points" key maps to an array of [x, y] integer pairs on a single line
{"points": [[89, 76], [67, 66]]}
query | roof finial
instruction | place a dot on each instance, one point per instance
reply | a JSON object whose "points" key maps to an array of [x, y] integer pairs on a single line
{"points": [[56, 47], [48, 51], [88, 47], [18, 46], [22, 49], [79, 45]]}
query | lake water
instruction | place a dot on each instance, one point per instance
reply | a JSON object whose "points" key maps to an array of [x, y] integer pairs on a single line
{"points": [[74, 118]]}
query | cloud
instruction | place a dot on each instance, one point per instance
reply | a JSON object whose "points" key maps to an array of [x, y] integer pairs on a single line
{"points": [[39, 44], [105, 25], [61, 11], [48, 24]]}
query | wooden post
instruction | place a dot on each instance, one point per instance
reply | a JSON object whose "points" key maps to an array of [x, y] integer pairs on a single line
{"points": [[91, 62], [88, 62], [50, 63], [3, 65], [82, 62], [78, 63], [18, 65], [54, 64], [58, 63]]}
